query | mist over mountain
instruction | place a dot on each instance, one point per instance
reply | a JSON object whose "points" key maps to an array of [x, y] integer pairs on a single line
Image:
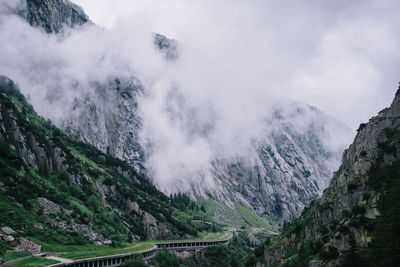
{"points": [[117, 90], [354, 223]]}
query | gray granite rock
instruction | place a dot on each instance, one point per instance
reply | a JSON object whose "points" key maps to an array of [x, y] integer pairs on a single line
{"points": [[7, 230]]}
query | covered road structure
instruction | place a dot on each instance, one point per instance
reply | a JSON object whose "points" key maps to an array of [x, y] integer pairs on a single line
{"points": [[118, 260]]}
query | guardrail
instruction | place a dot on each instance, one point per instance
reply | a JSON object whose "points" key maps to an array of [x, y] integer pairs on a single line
{"points": [[118, 260]]}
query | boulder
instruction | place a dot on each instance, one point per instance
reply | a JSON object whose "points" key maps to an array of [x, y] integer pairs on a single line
{"points": [[315, 263], [11, 241], [7, 230]]}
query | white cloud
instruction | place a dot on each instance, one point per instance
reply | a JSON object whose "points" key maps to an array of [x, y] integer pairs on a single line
{"points": [[235, 58]]}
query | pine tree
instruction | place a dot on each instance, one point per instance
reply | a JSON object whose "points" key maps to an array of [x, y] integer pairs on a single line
{"points": [[352, 257]]}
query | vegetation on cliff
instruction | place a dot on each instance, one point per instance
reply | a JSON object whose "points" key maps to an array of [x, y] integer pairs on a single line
{"points": [[100, 197], [356, 221]]}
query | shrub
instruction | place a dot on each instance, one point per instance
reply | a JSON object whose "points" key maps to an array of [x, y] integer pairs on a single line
{"points": [[352, 185], [3, 247], [330, 253], [346, 213], [343, 229], [135, 261], [164, 258], [358, 210]]}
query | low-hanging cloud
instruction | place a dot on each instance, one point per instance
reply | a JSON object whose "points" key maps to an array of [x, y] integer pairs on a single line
{"points": [[235, 60]]}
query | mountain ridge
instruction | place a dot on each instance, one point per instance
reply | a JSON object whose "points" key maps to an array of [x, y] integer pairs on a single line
{"points": [[344, 225]]}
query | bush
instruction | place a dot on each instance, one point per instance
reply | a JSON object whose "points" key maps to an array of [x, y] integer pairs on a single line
{"points": [[352, 185], [164, 258], [329, 254], [358, 210], [259, 251], [3, 247], [346, 213], [135, 261], [343, 229]]}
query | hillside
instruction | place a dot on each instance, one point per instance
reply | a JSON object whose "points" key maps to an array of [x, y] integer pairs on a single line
{"points": [[356, 221], [61, 191]]}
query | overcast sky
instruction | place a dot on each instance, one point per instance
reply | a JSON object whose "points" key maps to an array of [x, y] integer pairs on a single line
{"points": [[340, 56]]}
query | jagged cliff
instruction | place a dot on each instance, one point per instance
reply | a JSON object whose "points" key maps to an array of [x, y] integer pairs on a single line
{"points": [[52, 15], [109, 120], [287, 167], [347, 218]]}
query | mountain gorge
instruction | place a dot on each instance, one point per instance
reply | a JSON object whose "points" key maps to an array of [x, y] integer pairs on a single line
{"points": [[111, 138], [285, 166], [355, 222]]}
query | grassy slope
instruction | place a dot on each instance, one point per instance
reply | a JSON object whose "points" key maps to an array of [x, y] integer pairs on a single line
{"points": [[105, 252], [34, 262], [241, 217], [23, 185], [8, 256]]}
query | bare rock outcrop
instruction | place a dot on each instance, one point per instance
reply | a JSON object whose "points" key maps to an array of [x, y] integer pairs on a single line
{"points": [[348, 206]]}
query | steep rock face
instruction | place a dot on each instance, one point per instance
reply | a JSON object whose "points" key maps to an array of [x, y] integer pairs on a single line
{"points": [[109, 120], [287, 167], [52, 15], [349, 206], [168, 47], [32, 151]]}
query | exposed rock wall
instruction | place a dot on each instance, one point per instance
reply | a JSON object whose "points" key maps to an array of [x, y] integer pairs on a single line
{"points": [[349, 205], [286, 167], [109, 120], [53, 15]]}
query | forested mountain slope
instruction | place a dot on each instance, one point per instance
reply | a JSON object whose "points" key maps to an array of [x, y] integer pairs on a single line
{"points": [[58, 190]]}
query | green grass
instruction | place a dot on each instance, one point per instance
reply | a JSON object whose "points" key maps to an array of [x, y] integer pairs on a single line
{"points": [[91, 251], [34, 262], [8, 256], [86, 160], [222, 213], [251, 218], [47, 247], [239, 217], [202, 237], [105, 252]]}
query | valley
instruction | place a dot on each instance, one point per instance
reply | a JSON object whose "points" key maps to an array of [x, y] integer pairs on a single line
{"points": [[194, 135]]}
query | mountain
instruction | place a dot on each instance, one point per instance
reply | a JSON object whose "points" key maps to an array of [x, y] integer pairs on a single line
{"points": [[109, 120], [62, 191], [284, 168], [287, 166], [52, 15], [355, 222]]}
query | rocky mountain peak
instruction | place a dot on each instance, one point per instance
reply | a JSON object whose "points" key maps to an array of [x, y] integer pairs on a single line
{"points": [[52, 15]]}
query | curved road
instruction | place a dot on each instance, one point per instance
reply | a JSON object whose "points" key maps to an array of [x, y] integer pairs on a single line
{"points": [[118, 260]]}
